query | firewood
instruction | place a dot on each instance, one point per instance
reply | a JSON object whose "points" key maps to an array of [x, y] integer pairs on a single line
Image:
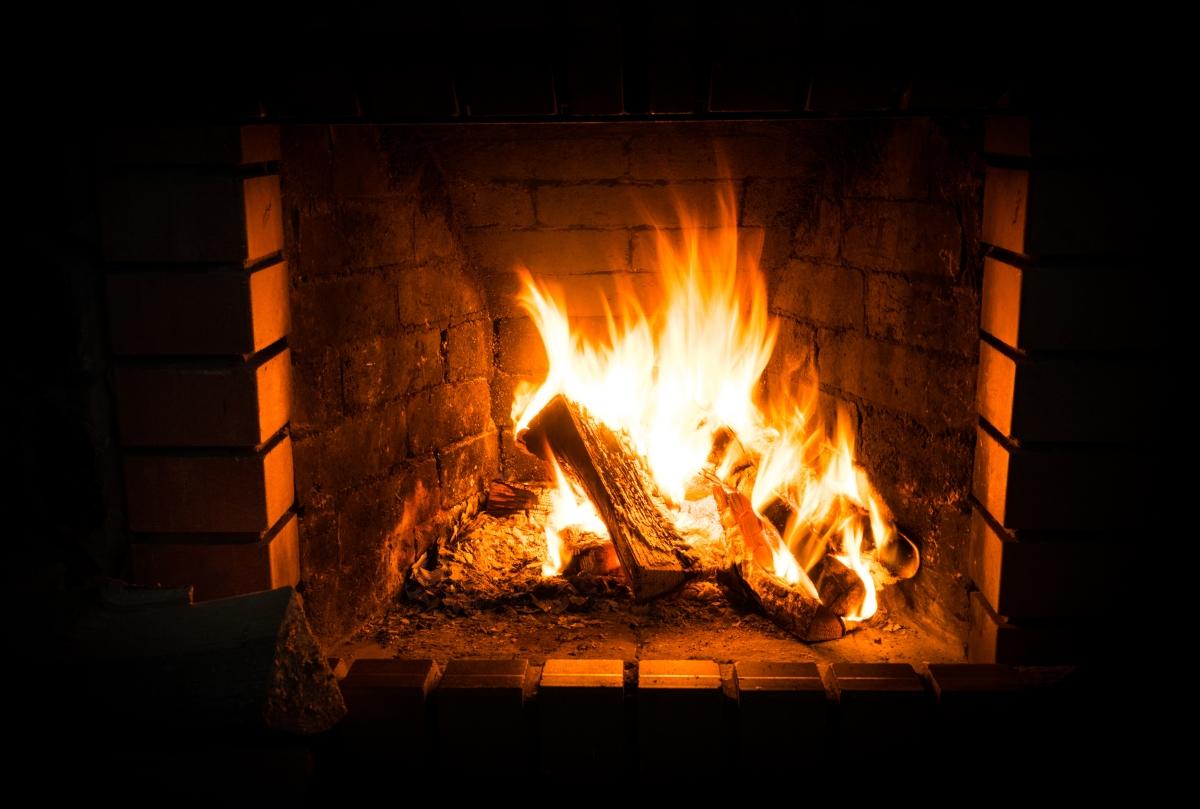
{"points": [[504, 499], [794, 607], [841, 588], [589, 554], [249, 662], [653, 555]]}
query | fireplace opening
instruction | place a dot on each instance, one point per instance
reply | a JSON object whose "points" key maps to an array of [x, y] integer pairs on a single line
{"points": [[461, 416]]}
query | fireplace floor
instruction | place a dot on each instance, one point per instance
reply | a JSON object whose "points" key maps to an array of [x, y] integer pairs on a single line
{"points": [[482, 594]]}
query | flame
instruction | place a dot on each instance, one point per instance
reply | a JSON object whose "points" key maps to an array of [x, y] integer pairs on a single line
{"points": [[569, 508], [671, 376]]}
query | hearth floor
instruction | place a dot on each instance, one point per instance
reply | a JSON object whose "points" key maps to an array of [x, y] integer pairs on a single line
{"points": [[482, 595]]}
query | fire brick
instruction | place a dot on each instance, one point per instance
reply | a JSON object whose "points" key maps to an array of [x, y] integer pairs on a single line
{"points": [[1065, 212], [1059, 488], [469, 350], [550, 252], [440, 416], [783, 712], [218, 570], [190, 217], [995, 639], [198, 313], [209, 491], [912, 238], [223, 405], [468, 465], [481, 715], [679, 707], [190, 146], [1076, 308], [1054, 576], [582, 716], [824, 294], [875, 697], [1062, 399], [386, 701], [978, 708]]}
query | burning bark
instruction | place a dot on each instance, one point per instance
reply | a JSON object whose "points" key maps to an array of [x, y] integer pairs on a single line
{"points": [[792, 606], [655, 558]]}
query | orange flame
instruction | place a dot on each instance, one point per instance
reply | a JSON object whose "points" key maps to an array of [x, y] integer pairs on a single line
{"points": [[569, 508], [671, 377]]}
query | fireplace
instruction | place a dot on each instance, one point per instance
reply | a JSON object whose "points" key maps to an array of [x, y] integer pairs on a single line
{"points": [[363, 359]]}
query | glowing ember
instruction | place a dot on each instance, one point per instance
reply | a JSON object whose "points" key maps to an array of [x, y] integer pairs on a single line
{"points": [[678, 377]]}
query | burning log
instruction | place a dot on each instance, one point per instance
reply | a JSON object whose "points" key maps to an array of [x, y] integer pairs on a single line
{"points": [[505, 499], [654, 557], [790, 606], [841, 589], [248, 661], [590, 554]]}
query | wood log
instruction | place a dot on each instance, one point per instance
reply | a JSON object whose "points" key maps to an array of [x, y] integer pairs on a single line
{"points": [[794, 607], [590, 554], [654, 557], [505, 499], [244, 662], [841, 588]]}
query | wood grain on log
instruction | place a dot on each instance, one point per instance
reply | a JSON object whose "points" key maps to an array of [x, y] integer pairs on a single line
{"points": [[654, 557], [504, 499]]}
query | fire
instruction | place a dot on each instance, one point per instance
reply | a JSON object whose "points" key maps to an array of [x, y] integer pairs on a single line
{"points": [[569, 508], [678, 377]]}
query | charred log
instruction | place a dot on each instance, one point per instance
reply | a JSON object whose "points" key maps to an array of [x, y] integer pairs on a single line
{"points": [[654, 557], [504, 499], [841, 588], [795, 608]]}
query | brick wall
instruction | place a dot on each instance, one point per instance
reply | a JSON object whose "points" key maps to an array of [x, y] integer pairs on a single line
{"points": [[868, 233], [392, 427]]}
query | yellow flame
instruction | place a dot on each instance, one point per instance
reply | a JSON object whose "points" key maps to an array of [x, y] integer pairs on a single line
{"points": [[569, 508], [669, 376]]}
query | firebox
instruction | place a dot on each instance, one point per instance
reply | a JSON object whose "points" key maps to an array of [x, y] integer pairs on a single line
{"points": [[700, 409]]}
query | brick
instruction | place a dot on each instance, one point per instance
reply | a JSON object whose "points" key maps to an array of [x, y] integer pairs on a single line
{"points": [[708, 153], [488, 205], [189, 217], [219, 570], [1055, 577], [792, 369], [993, 639], [943, 318], [386, 702], [481, 713], [909, 238], [316, 387], [937, 391], [897, 159], [773, 201], [518, 464], [873, 697], [519, 347], [343, 310], [550, 252], [469, 350], [783, 712], [465, 157], [504, 388], [228, 492], [360, 446], [581, 715], [468, 466], [1068, 489], [1075, 308], [818, 232], [440, 416], [390, 367], [181, 405], [435, 294], [356, 235], [679, 708], [1066, 212], [377, 522], [319, 549], [198, 313], [1064, 399], [629, 205], [190, 145], [824, 294]]}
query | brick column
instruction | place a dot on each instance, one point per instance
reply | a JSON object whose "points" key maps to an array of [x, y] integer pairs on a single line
{"points": [[198, 318], [1068, 341]]}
